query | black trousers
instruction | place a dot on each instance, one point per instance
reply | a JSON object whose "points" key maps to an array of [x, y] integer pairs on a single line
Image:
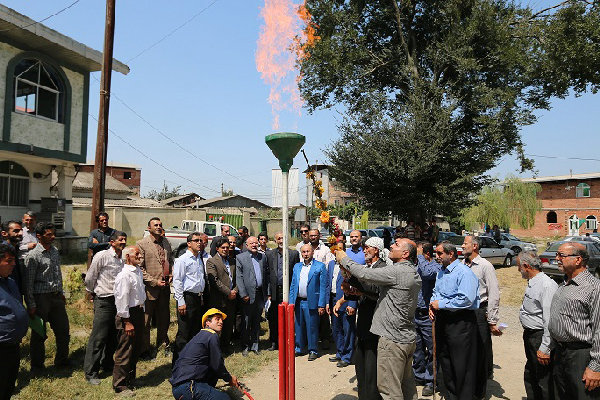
{"points": [[365, 365], [537, 377], [128, 350], [51, 308], [485, 355], [9, 369], [188, 325], [456, 339], [251, 325], [103, 339], [273, 316], [569, 362]]}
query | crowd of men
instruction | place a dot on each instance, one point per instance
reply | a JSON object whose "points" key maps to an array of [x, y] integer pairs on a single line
{"points": [[380, 307]]}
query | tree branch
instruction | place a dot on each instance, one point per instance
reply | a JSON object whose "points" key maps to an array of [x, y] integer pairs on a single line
{"points": [[409, 58]]}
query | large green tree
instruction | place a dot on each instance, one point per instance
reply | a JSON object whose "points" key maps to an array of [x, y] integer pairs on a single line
{"points": [[433, 92]]}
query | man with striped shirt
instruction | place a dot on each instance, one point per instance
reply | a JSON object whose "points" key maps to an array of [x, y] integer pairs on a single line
{"points": [[573, 326]]}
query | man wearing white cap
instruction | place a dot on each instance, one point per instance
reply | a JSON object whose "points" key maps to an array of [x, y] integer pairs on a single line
{"points": [[393, 320]]}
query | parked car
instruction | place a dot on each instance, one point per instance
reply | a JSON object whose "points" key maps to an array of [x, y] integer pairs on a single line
{"points": [[490, 250], [177, 237], [445, 235], [590, 238], [550, 263], [515, 244]]}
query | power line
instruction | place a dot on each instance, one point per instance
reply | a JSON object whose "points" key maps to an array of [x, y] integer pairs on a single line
{"points": [[160, 132], [154, 161], [563, 158], [42, 20], [172, 32]]}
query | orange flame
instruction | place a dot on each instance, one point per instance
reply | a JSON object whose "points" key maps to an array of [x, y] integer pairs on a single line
{"points": [[285, 37]]}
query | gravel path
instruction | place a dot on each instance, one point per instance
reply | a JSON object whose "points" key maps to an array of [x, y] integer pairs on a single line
{"points": [[322, 380]]}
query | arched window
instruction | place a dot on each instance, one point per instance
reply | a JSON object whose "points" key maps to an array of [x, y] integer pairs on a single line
{"points": [[14, 185], [551, 217], [38, 90], [582, 190], [591, 223]]}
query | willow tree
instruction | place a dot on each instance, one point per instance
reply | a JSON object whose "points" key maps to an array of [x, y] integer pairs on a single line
{"points": [[514, 203], [434, 92]]}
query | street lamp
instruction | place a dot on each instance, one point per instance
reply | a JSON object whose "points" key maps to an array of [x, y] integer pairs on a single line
{"points": [[285, 146]]}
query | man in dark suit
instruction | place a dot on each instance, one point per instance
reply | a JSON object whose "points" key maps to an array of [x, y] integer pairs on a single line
{"points": [[223, 290], [224, 233], [308, 292], [251, 283], [274, 270], [156, 266]]}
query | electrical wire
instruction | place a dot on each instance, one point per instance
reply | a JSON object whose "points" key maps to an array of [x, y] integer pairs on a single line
{"points": [[42, 20], [167, 137], [563, 158], [154, 161], [171, 33]]}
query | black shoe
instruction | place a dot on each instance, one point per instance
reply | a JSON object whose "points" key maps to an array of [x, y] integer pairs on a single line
{"points": [[273, 347], [313, 356], [334, 359], [427, 391], [342, 364]]}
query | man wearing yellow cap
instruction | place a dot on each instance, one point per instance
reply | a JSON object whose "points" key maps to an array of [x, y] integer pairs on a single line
{"points": [[200, 364]]}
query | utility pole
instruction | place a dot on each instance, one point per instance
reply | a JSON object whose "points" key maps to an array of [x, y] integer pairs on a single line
{"points": [[102, 138], [222, 192]]}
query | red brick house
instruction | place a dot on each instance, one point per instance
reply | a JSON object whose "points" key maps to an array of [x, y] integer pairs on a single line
{"points": [[127, 174], [570, 205]]}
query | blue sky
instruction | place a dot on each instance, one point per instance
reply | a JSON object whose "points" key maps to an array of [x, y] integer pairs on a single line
{"points": [[200, 88]]}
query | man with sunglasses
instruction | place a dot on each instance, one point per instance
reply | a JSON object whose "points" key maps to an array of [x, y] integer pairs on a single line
{"points": [[304, 229], [573, 326], [188, 287]]}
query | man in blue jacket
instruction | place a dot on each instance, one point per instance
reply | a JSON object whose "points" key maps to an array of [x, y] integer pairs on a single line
{"points": [[308, 292], [343, 317]]}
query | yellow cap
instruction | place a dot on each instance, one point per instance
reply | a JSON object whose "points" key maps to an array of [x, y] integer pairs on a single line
{"points": [[210, 312]]}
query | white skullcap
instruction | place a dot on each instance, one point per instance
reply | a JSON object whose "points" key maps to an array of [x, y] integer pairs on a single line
{"points": [[375, 242]]}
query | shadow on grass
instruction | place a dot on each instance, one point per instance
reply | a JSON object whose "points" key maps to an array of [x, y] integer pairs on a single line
{"points": [[155, 377], [344, 397]]}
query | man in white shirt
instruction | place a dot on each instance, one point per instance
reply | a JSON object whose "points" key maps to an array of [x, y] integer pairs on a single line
{"points": [[100, 282], [188, 288], [130, 295], [304, 229], [29, 240], [487, 314], [534, 316]]}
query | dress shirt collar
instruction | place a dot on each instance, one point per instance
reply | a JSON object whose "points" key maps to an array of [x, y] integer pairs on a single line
{"points": [[474, 261], [357, 250], [580, 278], [451, 267], [113, 252], [307, 265], [130, 268], [189, 254]]}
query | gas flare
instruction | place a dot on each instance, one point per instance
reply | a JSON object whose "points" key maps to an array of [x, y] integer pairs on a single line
{"points": [[285, 37]]}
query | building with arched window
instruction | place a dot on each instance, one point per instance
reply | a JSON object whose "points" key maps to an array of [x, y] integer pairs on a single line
{"points": [[44, 117], [570, 205]]}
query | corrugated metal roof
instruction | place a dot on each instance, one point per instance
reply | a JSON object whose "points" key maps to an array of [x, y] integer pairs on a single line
{"points": [[84, 181], [590, 175], [131, 201]]}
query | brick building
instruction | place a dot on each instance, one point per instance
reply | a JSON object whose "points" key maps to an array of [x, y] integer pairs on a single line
{"points": [[570, 205], [128, 174]]}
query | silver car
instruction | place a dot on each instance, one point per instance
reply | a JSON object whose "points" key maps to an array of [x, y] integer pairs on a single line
{"points": [[490, 250], [516, 244]]}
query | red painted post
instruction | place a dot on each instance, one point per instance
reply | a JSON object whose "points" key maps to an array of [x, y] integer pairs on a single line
{"points": [[283, 375], [291, 353]]}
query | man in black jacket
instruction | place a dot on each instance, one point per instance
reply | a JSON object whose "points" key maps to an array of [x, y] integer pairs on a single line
{"points": [[274, 272]]}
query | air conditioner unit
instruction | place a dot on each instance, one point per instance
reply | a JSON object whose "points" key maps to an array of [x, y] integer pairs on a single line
{"points": [[53, 210]]}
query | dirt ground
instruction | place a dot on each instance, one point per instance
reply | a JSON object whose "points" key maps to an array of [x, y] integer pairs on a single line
{"points": [[322, 380]]}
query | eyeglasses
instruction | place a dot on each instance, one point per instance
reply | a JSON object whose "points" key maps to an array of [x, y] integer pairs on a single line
{"points": [[196, 240], [561, 255], [303, 231]]}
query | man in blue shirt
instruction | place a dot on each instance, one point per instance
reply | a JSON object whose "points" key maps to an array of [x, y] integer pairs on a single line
{"points": [[423, 357], [188, 289], [200, 364], [13, 322], [453, 303], [355, 252]]}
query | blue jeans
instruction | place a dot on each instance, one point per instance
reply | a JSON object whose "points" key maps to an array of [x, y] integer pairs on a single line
{"points": [[198, 391], [423, 357]]}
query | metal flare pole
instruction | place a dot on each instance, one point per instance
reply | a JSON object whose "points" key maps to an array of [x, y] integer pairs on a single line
{"points": [[285, 229]]}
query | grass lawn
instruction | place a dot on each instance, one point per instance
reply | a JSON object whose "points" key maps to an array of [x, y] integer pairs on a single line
{"points": [[152, 376]]}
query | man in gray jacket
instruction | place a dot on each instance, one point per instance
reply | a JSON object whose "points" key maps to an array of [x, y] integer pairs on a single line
{"points": [[393, 320], [250, 276]]}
